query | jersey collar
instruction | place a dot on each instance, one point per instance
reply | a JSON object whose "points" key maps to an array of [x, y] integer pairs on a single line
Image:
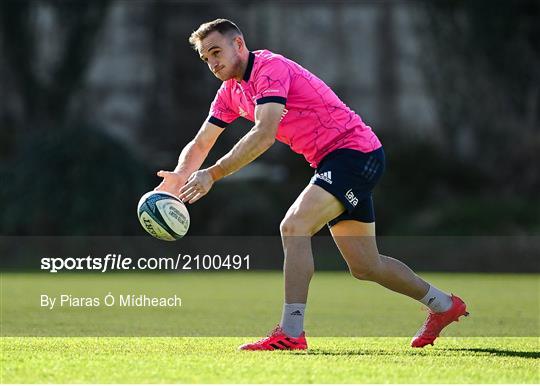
{"points": [[249, 67]]}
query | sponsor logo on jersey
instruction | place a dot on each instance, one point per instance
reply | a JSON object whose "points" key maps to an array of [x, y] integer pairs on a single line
{"points": [[285, 111], [242, 112], [351, 197]]}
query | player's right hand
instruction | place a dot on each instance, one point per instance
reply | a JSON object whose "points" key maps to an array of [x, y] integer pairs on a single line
{"points": [[172, 182]]}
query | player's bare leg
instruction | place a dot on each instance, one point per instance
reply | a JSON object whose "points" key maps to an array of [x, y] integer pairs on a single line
{"points": [[357, 244], [308, 214]]}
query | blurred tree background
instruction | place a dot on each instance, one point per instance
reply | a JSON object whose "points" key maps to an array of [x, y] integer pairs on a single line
{"points": [[96, 96]]}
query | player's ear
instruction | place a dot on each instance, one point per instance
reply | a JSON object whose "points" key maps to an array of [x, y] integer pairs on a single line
{"points": [[239, 42]]}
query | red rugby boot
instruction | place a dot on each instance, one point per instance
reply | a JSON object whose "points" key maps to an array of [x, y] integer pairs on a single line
{"points": [[277, 340], [436, 321]]}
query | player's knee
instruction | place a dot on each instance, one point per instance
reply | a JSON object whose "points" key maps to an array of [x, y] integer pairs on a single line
{"points": [[288, 227], [294, 226], [365, 272], [362, 274]]}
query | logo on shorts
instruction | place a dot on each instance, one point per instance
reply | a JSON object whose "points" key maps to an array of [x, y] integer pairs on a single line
{"points": [[351, 197], [326, 177]]}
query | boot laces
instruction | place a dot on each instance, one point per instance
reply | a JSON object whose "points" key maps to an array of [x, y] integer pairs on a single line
{"points": [[270, 334], [430, 324]]}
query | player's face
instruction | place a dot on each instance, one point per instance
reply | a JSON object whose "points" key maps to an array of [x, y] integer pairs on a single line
{"points": [[222, 55]]}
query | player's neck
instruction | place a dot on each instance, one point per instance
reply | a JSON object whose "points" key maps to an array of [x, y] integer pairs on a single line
{"points": [[243, 66]]}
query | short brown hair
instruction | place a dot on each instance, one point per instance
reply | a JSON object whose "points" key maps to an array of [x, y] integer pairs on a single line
{"points": [[223, 26]]}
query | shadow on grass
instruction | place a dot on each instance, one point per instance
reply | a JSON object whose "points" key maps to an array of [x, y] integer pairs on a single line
{"points": [[502, 353], [435, 352], [337, 352]]}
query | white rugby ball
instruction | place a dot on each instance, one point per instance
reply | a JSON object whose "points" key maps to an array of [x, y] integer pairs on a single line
{"points": [[163, 215]]}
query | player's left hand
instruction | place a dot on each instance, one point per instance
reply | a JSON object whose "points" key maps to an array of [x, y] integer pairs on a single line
{"points": [[198, 184]]}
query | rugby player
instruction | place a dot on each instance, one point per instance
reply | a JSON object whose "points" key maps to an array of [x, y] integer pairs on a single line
{"points": [[288, 103]]}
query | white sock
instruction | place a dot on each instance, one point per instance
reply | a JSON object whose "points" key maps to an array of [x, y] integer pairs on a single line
{"points": [[436, 300], [292, 319]]}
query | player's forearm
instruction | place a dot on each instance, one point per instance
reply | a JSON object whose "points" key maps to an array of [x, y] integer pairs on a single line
{"points": [[251, 146], [191, 158]]}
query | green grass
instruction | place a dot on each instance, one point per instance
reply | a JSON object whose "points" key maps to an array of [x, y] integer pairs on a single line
{"points": [[247, 304], [216, 360], [358, 332]]}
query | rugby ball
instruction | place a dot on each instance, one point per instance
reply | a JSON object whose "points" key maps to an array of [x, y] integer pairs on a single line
{"points": [[163, 215]]}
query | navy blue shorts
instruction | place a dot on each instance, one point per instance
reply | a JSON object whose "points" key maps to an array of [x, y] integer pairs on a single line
{"points": [[350, 176]]}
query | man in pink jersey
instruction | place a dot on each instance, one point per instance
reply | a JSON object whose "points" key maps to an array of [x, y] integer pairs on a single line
{"points": [[288, 103]]}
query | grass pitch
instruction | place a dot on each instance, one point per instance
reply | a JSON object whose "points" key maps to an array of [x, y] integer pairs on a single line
{"points": [[357, 332], [216, 360]]}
